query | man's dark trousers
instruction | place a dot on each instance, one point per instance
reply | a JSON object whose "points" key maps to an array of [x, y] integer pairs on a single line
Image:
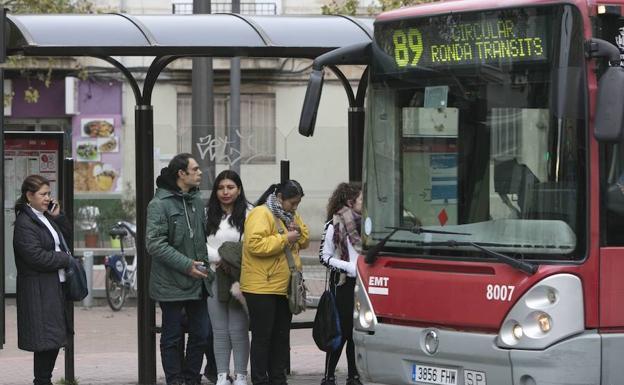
{"points": [[172, 334]]}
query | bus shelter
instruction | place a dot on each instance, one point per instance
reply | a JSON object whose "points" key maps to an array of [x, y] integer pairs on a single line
{"points": [[166, 38]]}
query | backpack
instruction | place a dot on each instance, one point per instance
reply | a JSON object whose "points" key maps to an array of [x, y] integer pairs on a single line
{"points": [[326, 330]]}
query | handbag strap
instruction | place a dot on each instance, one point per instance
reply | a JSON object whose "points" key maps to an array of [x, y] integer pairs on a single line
{"points": [[280, 229]]}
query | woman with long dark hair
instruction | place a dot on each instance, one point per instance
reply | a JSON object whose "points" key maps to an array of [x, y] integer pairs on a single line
{"points": [[339, 252], [272, 227], [227, 210], [40, 241]]}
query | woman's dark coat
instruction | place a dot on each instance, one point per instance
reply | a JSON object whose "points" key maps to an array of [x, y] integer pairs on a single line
{"points": [[41, 318]]}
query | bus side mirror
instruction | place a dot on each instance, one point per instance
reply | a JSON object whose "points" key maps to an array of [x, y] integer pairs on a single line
{"points": [[311, 103], [610, 106]]}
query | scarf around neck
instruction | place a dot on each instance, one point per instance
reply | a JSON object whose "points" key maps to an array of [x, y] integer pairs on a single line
{"points": [[347, 224], [276, 208]]}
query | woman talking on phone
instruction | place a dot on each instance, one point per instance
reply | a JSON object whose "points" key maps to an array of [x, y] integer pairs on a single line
{"points": [[40, 240]]}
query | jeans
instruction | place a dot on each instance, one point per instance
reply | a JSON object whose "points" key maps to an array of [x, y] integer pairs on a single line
{"points": [[269, 321], [43, 366], [178, 370]]}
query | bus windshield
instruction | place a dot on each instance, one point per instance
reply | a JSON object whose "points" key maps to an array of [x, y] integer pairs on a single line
{"points": [[476, 124]]}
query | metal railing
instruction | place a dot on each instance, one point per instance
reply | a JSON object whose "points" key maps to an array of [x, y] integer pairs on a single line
{"points": [[186, 8]]}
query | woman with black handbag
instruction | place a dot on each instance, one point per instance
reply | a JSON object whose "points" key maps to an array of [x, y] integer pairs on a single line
{"points": [[339, 252], [41, 256]]}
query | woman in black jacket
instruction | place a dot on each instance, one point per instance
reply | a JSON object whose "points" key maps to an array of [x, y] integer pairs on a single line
{"points": [[40, 240]]}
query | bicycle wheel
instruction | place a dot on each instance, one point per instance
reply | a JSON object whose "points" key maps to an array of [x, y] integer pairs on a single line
{"points": [[115, 291]]}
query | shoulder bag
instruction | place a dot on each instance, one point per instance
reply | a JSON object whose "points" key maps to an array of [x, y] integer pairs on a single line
{"points": [[76, 288], [75, 281], [297, 291]]}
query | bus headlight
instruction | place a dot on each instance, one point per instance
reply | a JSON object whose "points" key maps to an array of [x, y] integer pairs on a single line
{"points": [[549, 312], [364, 318], [517, 331]]}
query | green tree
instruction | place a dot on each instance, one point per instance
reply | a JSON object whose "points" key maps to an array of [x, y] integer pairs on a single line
{"points": [[387, 5], [48, 6], [351, 7], [340, 7], [40, 68]]}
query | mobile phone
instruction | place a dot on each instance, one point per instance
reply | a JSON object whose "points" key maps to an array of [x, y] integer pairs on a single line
{"points": [[203, 268], [52, 206]]}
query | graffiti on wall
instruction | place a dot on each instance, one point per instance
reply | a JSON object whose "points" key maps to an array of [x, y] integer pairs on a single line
{"points": [[221, 149]]}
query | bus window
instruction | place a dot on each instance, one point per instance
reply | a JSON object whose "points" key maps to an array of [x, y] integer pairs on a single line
{"points": [[613, 192]]}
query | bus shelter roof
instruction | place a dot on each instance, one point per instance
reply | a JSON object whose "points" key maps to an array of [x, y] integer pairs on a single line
{"points": [[216, 35]]}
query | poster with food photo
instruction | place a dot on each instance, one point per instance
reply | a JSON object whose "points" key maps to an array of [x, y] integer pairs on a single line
{"points": [[87, 151], [98, 150], [108, 144], [95, 177], [97, 127]]}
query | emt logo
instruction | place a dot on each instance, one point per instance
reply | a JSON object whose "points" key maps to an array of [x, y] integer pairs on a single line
{"points": [[378, 285]]}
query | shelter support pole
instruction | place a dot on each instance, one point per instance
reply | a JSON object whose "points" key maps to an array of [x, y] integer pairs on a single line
{"points": [[2, 176], [2, 272], [284, 170], [67, 190], [144, 139]]}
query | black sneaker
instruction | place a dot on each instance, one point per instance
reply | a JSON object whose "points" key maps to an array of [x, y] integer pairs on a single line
{"points": [[328, 381], [355, 380]]}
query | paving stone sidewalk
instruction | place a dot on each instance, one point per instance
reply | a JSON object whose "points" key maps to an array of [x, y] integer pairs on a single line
{"points": [[106, 343]]}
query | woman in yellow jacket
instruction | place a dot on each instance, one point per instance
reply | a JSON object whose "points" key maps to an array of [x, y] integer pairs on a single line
{"points": [[270, 227]]}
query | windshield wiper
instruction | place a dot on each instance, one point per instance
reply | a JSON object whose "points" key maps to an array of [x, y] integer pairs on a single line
{"points": [[371, 255], [523, 266]]}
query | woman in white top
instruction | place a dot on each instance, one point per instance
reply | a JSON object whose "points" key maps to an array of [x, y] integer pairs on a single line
{"points": [[339, 252], [40, 240], [225, 219]]}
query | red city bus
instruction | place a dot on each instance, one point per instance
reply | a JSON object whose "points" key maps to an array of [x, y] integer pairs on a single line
{"points": [[493, 170]]}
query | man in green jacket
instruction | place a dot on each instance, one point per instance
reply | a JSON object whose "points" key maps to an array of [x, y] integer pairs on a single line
{"points": [[179, 281]]}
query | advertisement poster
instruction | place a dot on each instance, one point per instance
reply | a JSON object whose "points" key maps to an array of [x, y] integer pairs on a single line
{"points": [[97, 150], [26, 153], [23, 157]]}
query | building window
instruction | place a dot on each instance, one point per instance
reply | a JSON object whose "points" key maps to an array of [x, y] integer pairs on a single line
{"points": [[258, 9], [257, 131]]}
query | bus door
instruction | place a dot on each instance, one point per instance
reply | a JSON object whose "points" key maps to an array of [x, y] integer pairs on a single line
{"points": [[611, 28]]}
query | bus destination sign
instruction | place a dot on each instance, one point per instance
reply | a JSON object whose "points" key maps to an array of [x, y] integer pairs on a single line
{"points": [[471, 39]]}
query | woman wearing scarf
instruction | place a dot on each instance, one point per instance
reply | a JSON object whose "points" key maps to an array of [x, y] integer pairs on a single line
{"points": [[271, 227], [339, 252]]}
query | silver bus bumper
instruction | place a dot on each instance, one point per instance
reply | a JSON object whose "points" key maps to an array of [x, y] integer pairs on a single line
{"points": [[388, 356]]}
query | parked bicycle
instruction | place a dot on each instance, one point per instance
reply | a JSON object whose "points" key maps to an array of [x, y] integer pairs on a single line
{"points": [[121, 278]]}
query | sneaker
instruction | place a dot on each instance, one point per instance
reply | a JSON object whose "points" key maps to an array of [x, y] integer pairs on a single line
{"points": [[355, 380], [240, 379], [328, 381], [222, 379]]}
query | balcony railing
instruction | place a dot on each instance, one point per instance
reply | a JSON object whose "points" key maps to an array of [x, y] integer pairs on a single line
{"points": [[186, 8]]}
